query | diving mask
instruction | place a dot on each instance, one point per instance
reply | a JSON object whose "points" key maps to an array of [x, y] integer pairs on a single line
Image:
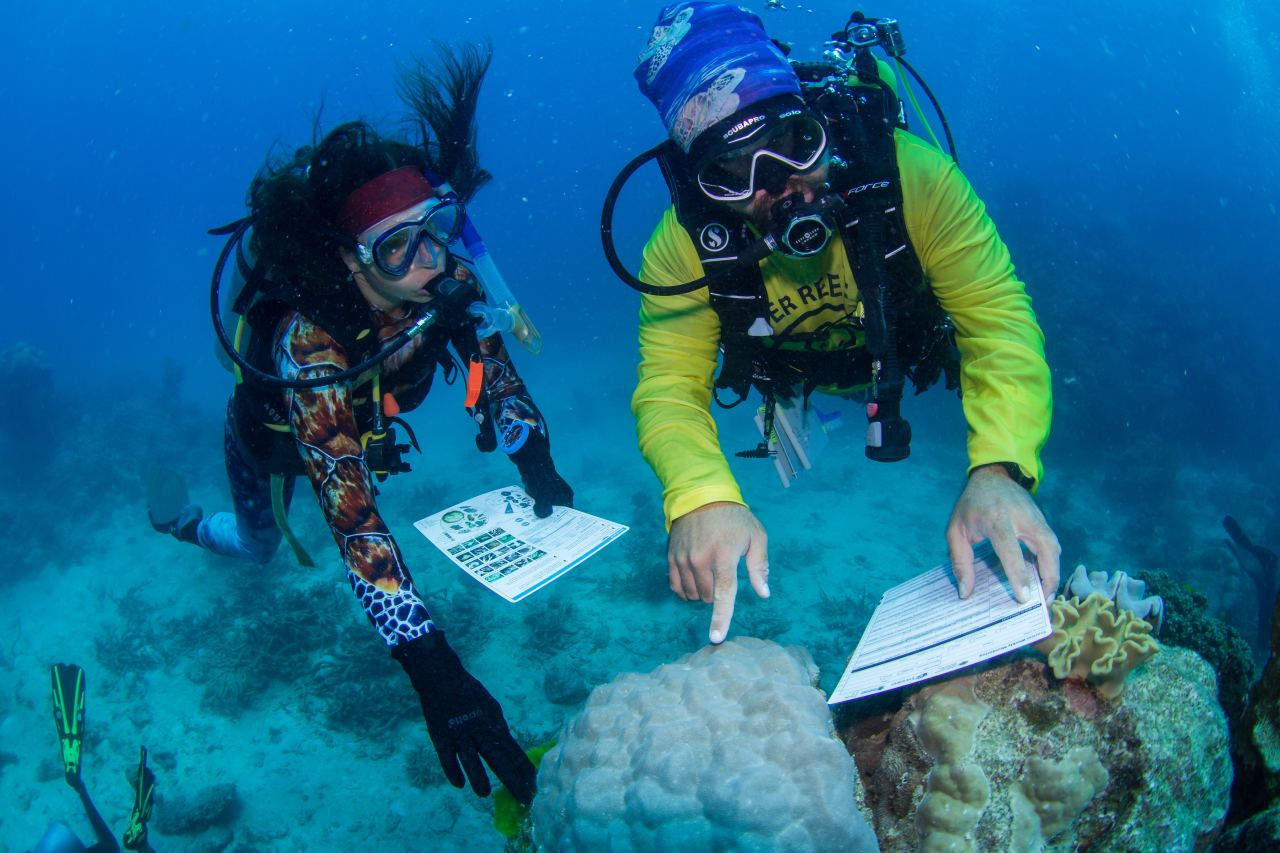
{"points": [[393, 251], [796, 144]]}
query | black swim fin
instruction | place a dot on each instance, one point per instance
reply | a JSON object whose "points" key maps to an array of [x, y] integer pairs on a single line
{"points": [[166, 497], [144, 788], [167, 507], [68, 716]]}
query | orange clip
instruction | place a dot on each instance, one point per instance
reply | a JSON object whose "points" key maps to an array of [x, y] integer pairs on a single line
{"points": [[390, 407], [475, 382]]}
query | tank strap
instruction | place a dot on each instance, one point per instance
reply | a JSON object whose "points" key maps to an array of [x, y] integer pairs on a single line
{"points": [[281, 514]]}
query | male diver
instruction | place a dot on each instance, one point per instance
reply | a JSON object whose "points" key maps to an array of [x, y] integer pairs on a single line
{"points": [[362, 272], [822, 247]]}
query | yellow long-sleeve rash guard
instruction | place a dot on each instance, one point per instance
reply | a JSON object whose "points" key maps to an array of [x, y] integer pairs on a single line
{"points": [[1004, 377]]}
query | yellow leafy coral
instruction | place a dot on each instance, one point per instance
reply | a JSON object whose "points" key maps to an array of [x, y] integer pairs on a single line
{"points": [[1095, 642]]}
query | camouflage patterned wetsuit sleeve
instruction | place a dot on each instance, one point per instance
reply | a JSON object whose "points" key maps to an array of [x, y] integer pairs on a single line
{"points": [[323, 422]]}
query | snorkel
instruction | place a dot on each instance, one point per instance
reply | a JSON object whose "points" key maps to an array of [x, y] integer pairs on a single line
{"points": [[500, 312]]}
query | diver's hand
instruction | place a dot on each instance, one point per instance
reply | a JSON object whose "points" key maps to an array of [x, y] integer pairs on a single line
{"points": [[464, 721], [703, 554], [994, 507], [541, 480]]}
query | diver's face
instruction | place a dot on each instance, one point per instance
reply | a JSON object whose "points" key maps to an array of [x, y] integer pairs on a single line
{"points": [[788, 156], [809, 185], [386, 292]]}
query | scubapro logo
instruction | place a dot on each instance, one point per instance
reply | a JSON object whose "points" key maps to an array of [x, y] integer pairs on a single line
{"points": [[874, 185], [750, 121], [714, 237]]}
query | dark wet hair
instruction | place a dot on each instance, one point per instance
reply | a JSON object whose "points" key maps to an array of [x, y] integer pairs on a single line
{"points": [[295, 201]]}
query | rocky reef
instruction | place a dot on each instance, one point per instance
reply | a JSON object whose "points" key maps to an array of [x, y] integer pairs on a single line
{"points": [[1009, 759], [1189, 624], [1256, 747]]}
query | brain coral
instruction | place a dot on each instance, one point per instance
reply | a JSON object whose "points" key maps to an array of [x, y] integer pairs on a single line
{"points": [[727, 749], [1095, 642]]}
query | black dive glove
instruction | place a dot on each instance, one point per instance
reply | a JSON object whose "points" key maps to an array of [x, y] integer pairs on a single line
{"points": [[547, 488], [464, 721]]}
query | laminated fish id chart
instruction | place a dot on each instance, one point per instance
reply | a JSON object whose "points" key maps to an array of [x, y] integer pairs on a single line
{"points": [[496, 539]]}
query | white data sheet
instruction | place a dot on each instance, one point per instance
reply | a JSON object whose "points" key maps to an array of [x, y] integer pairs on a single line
{"points": [[921, 628], [497, 539]]}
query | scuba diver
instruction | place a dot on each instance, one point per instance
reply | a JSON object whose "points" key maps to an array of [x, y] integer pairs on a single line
{"points": [[361, 269], [819, 246], [67, 681]]}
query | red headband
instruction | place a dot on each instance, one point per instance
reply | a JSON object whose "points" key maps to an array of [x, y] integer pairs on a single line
{"points": [[387, 194]]}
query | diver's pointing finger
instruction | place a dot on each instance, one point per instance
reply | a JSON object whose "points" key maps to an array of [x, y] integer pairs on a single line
{"points": [[724, 593], [512, 767]]}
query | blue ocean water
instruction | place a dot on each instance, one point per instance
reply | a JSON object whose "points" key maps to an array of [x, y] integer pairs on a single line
{"points": [[1126, 154]]}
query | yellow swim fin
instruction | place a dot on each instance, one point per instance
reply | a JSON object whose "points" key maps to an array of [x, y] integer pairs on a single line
{"points": [[144, 788], [67, 681]]}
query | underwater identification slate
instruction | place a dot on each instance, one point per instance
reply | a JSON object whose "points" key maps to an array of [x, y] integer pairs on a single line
{"points": [[921, 629], [497, 539]]}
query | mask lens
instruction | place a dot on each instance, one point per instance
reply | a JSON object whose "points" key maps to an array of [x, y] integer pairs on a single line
{"points": [[726, 177], [393, 247], [800, 141], [443, 223]]}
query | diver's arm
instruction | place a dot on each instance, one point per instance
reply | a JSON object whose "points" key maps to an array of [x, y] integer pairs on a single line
{"points": [[464, 721], [514, 422], [679, 344], [1004, 378], [711, 528], [324, 425]]}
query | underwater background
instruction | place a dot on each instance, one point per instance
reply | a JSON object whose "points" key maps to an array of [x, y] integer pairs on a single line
{"points": [[1127, 155]]}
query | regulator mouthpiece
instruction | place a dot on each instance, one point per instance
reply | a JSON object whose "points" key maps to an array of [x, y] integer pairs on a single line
{"points": [[800, 227]]}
